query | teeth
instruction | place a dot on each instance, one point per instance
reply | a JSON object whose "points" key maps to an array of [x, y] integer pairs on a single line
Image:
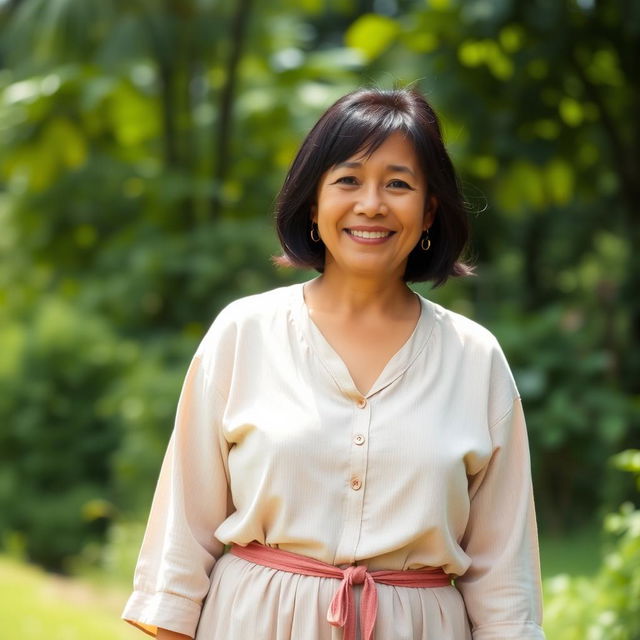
{"points": [[369, 234]]}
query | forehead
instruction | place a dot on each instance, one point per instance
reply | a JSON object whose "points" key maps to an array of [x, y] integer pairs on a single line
{"points": [[396, 143], [394, 153]]}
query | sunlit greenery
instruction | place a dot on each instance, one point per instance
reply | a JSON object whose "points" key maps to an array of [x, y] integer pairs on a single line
{"points": [[34, 606], [607, 606], [141, 147]]}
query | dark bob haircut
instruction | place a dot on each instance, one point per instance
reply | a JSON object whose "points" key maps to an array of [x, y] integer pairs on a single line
{"points": [[359, 123]]}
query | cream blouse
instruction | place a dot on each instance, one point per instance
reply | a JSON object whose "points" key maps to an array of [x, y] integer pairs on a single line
{"points": [[274, 443]]}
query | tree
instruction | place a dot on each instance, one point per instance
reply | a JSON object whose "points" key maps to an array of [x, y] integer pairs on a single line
{"points": [[540, 102]]}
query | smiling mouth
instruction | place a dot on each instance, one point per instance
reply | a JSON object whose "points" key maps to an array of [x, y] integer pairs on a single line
{"points": [[369, 235]]}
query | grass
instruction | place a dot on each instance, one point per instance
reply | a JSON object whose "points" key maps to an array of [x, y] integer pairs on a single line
{"points": [[35, 605], [579, 554]]}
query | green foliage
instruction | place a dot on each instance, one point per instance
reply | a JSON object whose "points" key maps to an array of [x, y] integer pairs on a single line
{"points": [[142, 145], [541, 138], [572, 401], [57, 439], [371, 34], [606, 607], [577, 553]]}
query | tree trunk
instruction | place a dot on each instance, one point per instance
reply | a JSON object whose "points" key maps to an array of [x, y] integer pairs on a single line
{"points": [[225, 111]]}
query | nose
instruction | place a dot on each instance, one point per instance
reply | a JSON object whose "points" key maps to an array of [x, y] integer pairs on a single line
{"points": [[370, 203]]}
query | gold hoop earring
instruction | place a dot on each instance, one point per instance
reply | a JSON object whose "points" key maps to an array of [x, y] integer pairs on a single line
{"points": [[425, 237], [314, 228]]}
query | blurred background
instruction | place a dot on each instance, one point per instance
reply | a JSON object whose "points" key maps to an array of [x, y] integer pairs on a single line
{"points": [[142, 143]]}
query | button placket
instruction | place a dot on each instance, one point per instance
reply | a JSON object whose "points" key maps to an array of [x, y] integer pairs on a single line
{"points": [[356, 480]]}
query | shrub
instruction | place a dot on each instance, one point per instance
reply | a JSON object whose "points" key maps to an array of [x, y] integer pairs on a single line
{"points": [[606, 607], [56, 439]]}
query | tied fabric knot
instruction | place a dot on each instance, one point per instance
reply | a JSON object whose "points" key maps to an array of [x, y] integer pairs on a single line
{"points": [[341, 611], [356, 574]]}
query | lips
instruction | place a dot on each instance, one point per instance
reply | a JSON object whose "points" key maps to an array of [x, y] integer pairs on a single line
{"points": [[368, 235]]}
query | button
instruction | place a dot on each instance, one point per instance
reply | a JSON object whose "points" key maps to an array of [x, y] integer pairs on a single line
{"points": [[362, 403], [356, 483], [358, 438]]}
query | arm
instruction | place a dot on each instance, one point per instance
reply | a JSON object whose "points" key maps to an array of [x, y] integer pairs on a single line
{"points": [[501, 588], [165, 634], [179, 548]]}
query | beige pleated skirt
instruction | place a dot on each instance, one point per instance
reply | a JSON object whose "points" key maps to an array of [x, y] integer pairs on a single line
{"points": [[251, 602]]}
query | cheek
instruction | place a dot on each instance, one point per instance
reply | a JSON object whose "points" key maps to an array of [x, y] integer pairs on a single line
{"points": [[329, 210]]}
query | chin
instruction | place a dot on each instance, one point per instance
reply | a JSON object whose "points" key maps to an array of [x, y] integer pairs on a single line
{"points": [[373, 271]]}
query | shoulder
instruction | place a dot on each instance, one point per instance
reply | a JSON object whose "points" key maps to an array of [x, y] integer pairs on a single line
{"points": [[249, 313], [469, 334], [475, 355], [257, 307]]}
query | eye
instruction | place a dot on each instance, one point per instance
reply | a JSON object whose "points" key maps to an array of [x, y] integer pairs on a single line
{"points": [[349, 180], [399, 184]]}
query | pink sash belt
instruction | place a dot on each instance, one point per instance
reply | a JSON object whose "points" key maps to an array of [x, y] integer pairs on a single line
{"points": [[342, 608]]}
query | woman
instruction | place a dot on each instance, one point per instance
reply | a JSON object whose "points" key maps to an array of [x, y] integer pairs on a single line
{"points": [[347, 427]]}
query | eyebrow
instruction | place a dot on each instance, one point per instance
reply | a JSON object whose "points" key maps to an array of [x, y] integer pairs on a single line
{"points": [[392, 167]]}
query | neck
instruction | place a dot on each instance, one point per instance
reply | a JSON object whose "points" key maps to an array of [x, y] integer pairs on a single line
{"points": [[352, 295]]}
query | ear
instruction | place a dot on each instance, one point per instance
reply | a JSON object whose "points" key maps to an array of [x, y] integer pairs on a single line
{"points": [[314, 213], [430, 212]]}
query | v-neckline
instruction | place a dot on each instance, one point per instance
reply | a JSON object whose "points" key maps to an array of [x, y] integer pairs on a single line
{"points": [[397, 364]]}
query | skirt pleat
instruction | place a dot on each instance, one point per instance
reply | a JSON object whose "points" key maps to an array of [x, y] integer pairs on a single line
{"points": [[249, 601]]}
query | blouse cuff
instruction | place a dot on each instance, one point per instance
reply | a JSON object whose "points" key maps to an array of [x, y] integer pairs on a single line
{"points": [[509, 631], [148, 611]]}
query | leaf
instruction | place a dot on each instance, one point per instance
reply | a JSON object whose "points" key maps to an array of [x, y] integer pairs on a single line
{"points": [[371, 34], [512, 37], [474, 53], [484, 166], [439, 5], [421, 41], [134, 116], [521, 186], [628, 460], [560, 181], [571, 111], [311, 6], [67, 141]]}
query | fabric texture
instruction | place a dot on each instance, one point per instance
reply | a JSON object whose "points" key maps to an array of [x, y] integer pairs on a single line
{"points": [[342, 611], [273, 443]]}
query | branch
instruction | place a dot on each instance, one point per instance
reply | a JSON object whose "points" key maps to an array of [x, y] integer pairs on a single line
{"points": [[166, 75]]}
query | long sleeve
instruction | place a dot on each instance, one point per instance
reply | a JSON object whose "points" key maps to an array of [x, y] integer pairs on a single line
{"points": [[501, 587], [429, 469], [179, 548]]}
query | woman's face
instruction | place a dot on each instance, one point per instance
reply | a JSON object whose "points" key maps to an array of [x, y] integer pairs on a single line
{"points": [[371, 211]]}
